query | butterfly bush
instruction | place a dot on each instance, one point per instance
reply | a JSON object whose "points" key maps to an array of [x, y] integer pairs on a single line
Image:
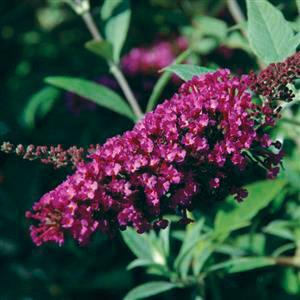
{"points": [[193, 147]]}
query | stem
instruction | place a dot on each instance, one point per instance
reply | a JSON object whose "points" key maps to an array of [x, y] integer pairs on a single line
{"points": [[239, 17], [164, 79], [287, 261], [126, 89], [114, 68], [88, 20], [236, 13]]}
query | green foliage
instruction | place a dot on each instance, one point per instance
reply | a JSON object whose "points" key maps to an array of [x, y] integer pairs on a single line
{"points": [[190, 240], [281, 228], [94, 92], [232, 215], [149, 289], [201, 254], [200, 244], [187, 72], [236, 40], [116, 16], [206, 33], [101, 48], [151, 250], [290, 281], [211, 26], [243, 264], [39, 105], [164, 238], [139, 245], [270, 35]]}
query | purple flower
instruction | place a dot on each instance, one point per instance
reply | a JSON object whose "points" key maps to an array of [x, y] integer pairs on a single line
{"points": [[148, 61], [192, 147]]}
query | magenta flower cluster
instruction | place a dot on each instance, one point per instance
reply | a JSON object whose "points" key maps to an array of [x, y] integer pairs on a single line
{"points": [[148, 61], [193, 147]]}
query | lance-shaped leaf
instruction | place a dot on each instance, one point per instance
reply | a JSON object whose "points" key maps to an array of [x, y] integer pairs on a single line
{"points": [[281, 228], [187, 72], [101, 48], [191, 239], [243, 264], [139, 244], [94, 92], [149, 289], [116, 16], [233, 215]]}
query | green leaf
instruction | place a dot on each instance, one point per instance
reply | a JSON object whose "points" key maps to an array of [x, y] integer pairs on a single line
{"points": [[149, 289], [230, 250], [239, 26], [209, 26], [201, 254], [237, 41], [159, 270], [232, 215], [191, 239], [193, 232], [116, 17], [290, 281], [101, 48], [139, 244], [205, 34], [94, 92], [178, 235], [157, 248], [284, 248], [280, 228], [164, 237], [205, 45], [39, 105], [187, 72], [296, 23], [243, 264], [295, 41], [139, 263], [270, 35], [251, 243], [247, 264]]}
